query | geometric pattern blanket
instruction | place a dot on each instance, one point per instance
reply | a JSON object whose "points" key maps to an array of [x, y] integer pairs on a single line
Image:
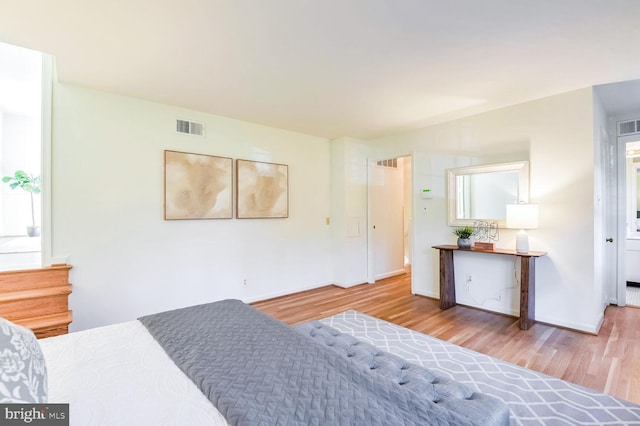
{"points": [[257, 370], [533, 398]]}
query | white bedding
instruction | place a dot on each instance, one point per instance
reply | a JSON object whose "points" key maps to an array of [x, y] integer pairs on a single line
{"points": [[119, 375]]}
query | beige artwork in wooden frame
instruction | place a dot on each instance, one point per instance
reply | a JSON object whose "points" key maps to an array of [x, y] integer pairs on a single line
{"points": [[262, 190], [197, 186]]}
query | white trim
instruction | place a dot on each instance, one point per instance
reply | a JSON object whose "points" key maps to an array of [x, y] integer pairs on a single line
{"points": [[283, 293], [390, 274], [352, 284], [370, 249], [371, 163], [45, 157], [621, 237], [586, 328], [430, 295], [414, 214]]}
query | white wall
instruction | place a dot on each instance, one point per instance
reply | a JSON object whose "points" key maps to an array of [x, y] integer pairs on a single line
{"points": [[556, 134], [349, 211], [107, 208], [107, 204], [494, 291]]}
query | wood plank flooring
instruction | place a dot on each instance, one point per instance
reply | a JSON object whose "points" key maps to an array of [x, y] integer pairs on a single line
{"points": [[609, 362]]}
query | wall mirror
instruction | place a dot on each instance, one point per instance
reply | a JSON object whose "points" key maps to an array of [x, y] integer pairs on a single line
{"points": [[633, 197], [483, 192]]}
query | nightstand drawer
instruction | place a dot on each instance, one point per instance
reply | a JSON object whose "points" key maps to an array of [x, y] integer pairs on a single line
{"points": [[48, 325], [37, 299]]}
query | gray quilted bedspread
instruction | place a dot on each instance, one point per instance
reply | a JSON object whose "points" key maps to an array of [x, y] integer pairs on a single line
{"points": [[259, 371]]}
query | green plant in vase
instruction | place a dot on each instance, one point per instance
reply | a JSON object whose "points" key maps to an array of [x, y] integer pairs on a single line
{"points": [[31, 184], [464, 234]]}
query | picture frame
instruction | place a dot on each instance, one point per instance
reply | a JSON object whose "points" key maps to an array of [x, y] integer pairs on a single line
{"points": [[197, 186], [262, 190]]}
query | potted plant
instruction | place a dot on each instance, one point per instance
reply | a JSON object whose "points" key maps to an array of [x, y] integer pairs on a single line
{"points": [[464, 236], [31, 184]]}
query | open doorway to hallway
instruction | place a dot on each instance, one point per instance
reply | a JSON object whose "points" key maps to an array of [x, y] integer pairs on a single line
{"points": [[391, 213]]}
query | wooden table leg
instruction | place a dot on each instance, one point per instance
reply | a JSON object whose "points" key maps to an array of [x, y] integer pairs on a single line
{"points": [[527, 291], [447, 280]]}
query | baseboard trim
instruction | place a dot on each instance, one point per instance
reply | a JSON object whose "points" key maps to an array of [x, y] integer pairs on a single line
{"points": [[289, 292], [581, 328], [391, 274], [353, 284]]}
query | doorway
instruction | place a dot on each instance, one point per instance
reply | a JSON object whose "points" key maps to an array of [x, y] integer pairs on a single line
{"points": [[632, 223], [390, 212]]}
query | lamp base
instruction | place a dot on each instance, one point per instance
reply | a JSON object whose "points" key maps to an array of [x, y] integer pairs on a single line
{"points": [[522, 242]]}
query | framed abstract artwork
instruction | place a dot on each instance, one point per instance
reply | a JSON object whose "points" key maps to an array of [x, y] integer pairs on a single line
{"points": [[197, 186], [262, 190]]}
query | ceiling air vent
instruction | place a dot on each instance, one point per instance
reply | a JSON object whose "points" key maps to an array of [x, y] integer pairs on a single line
{"points": [[628, 127], [189, 127], [392, 162]]}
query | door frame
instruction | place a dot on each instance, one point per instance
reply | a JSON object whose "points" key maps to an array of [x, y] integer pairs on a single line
{"points": [[371, 162], [621, 216]]}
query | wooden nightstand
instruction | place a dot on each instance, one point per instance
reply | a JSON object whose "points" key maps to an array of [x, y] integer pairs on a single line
{"points": [[37, 299]]}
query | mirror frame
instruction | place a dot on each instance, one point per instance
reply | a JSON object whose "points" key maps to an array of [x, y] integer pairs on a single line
{"points": [[632, 198], [522, 167]]}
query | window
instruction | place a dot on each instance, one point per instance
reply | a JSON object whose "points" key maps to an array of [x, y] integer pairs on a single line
{"points": [[21, 142]]}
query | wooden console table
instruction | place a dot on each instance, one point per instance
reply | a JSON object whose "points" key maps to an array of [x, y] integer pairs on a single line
{"points": [[527, 279]]}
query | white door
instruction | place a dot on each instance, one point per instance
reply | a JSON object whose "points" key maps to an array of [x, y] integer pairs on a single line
{"points": [[606, 209], [386, 191]]}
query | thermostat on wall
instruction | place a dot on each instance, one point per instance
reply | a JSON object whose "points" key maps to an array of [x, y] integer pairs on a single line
{"points": [[426, 194]]}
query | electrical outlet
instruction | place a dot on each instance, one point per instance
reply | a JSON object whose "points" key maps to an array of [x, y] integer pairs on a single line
{"points": [[244, 283], [469, 278]]}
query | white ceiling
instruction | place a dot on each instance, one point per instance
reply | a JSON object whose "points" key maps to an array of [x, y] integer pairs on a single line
{"points": [[332, 68]]}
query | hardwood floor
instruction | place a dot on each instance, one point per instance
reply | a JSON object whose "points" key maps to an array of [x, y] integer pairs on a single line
{"points": [[608, 362]]}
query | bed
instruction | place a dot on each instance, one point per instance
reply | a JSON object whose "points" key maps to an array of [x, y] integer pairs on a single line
{"points": [[122, 375]]}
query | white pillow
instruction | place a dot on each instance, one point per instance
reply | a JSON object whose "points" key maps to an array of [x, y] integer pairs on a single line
{"points": [[23, 374]]}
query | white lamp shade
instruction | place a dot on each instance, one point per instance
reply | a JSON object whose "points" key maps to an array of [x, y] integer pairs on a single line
{"points": [[522, 216]]}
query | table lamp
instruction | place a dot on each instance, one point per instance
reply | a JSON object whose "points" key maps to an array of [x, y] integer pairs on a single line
{"points": [[522, 216]]}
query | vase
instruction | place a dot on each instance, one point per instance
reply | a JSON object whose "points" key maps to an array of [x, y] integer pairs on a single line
{"points": [[464, 243]]}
